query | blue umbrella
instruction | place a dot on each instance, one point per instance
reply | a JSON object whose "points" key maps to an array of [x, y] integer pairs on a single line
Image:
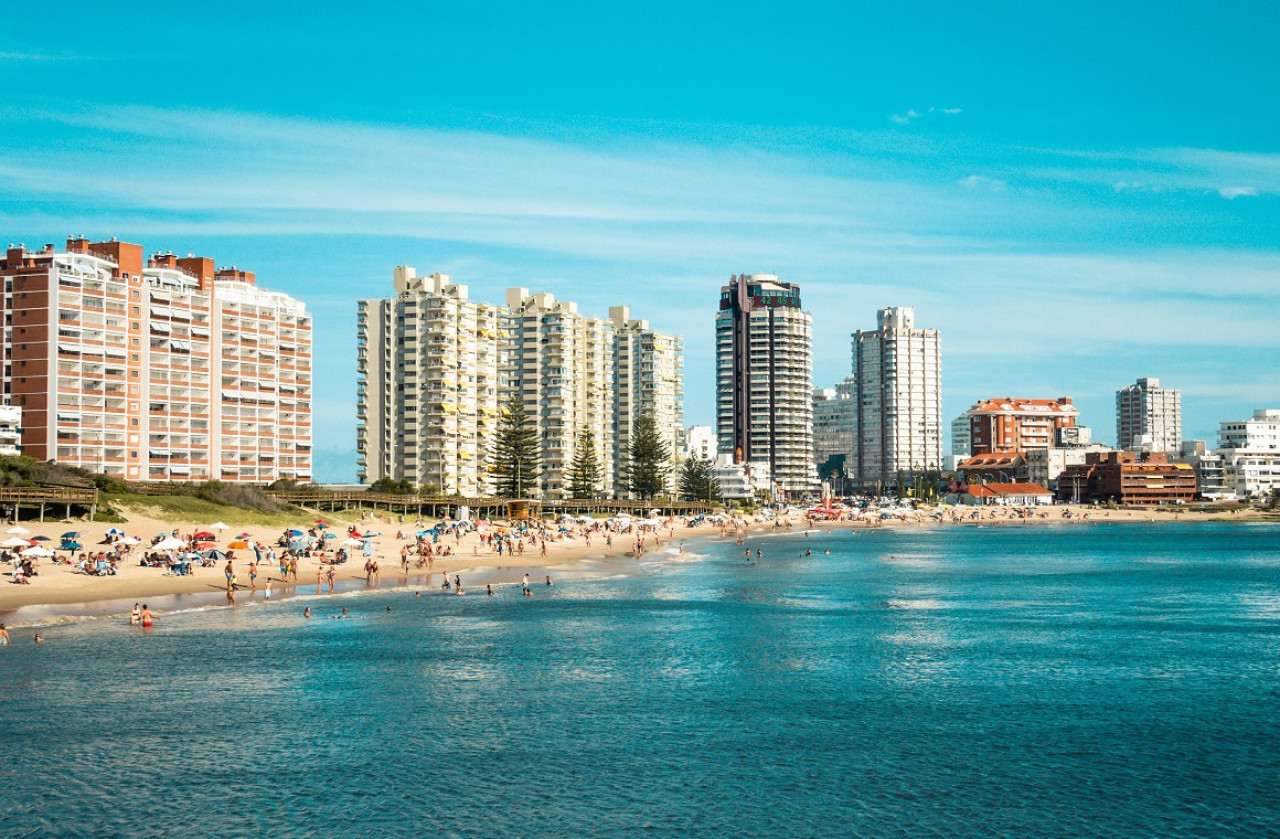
{"points": [[71, 546], [299, 545], [214, 553]]}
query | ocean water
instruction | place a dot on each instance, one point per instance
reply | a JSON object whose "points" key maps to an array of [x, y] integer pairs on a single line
{"points": [[1106, 680]]}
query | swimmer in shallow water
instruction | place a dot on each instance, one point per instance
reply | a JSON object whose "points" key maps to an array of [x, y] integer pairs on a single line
{"points": [[306, 613], [489, 589]]}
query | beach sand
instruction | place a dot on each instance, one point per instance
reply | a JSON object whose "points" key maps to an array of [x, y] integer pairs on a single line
{"points": [[58, 584]]}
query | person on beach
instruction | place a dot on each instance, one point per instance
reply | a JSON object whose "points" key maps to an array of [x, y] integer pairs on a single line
{"points": [[231, 597], [135, 617], [253, 576], [230, 573], [330, 577], [548, 579], [148, 619], [319, 577], [489, 589], [266, 594], [4, 636], [306, 613]]}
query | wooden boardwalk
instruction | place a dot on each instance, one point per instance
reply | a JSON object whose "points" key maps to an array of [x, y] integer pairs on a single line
{"points": [[13, 499], [449, 506]]}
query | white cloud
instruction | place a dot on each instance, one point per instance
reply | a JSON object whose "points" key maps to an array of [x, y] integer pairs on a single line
{"points": [[1230, 192], [903, 119], [982, 182]]}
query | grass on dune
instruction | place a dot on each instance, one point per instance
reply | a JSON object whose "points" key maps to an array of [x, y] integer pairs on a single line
{"points": [[191, 509]]}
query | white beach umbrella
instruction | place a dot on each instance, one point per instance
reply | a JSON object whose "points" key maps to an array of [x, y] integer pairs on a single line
{"points": [[129, 540], [353, 543], [18, 529], [219, 526], [14, 542], [169, 544], [37, 551]]}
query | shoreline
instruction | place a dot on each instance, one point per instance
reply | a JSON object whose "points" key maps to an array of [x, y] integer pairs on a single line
{"points": [[59, 595]]}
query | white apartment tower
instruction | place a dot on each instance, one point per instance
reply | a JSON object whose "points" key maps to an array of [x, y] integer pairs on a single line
{"points": [[835, 415], [648, 380], [1147, 414], [561, 364], [428, 384], [764, 379], [167, 369], [897, 373]]}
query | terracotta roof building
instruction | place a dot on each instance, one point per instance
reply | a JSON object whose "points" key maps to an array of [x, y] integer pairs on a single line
{"points": [[1128, 478], [1018, 424]]}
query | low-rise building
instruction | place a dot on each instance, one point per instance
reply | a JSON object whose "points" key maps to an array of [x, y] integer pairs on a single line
{"points": [[1250, 451], [994, 467], [1005, 495], [1210, 475], [740, 481], [1128, 478]]}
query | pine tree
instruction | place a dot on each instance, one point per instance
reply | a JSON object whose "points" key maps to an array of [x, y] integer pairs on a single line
{"points": [[698, 482], [516, 459], [584, 471], [647, 457]]}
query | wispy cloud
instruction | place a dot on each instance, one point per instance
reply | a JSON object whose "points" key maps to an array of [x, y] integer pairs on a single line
{"points": [[1230, 192], [911, 113], [982, 182]]}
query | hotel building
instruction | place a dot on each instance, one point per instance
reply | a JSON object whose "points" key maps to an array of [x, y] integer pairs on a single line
{"points": [[1149, 417], [428, 365], [163, 370], [1250, 452], [764, 379], [1001, 425], [897, 372]]}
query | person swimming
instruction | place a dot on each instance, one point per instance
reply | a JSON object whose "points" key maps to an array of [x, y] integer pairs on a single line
{"points": [[306, 613]]}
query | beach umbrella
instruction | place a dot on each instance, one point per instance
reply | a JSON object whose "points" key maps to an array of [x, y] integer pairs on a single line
{"points": [[129, 540], [214, 553], [353, 543], [245, 535], [15, 542], [371, 534], [71, 534], [321, 523], [294, 532], [18, 529], [238, 544], [41, 539], [204, 536], [168, 544], [71, 546], [115, 531], [37, 551], [191, 555], [217, 525], [300, 545]]}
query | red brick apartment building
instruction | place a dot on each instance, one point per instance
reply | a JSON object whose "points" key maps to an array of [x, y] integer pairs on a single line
{"points": [[1015, 425], [166, 369]]}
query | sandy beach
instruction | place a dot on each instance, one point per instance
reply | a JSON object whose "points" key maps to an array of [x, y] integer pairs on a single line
{"points": [[59, 584]]}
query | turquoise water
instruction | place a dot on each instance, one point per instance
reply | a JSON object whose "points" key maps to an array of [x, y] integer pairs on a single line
{"points": [[1110, 680]]}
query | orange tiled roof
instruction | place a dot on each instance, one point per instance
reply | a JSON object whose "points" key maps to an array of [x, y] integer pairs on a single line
{"points": [[1010, 405]]}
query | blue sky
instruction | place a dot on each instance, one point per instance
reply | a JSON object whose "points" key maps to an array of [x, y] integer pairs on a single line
{"points": [[1077, 197]]}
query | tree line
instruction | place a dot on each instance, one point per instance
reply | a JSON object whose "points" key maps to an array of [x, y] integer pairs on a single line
{"points": [[516, 462]]}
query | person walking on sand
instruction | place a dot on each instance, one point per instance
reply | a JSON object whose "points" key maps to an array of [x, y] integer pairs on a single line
{"points": [[230, 573], [253, 576]]}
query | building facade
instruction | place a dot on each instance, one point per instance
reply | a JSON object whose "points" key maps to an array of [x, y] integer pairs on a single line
{"points": [[1250, 451], [897, 373], [1149, 417], [561, 363], [1018, 424], [166, 369], [648, 380], [1128, 478], [429, 380], [835, 416], [764, 379]]}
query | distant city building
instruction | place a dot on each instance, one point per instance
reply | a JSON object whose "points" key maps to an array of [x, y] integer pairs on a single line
{"points": [[897, 374], [1045, 465], [741, 481], [1128, 478], [648, 380], [699, 442], [429, 383], [1148, 417], [166, 369], [834, 416], [1011, 424], [1004, 495], [1250, 451], [10, 430], [1210, 473], [961, 437], [764, 408]]}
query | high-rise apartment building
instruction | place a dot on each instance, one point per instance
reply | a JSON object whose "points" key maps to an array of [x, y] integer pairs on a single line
{"points": [[897, 373], [163, 369], [429, 382], [764, 379], [648, 380], [835, 415], [1016, 425], [561, 364], [1149, 416]]}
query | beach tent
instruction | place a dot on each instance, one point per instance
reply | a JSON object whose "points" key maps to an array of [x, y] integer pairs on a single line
{"points": [[68, 545]]}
